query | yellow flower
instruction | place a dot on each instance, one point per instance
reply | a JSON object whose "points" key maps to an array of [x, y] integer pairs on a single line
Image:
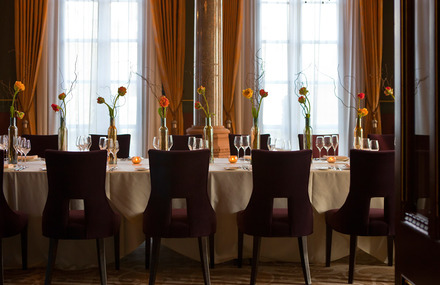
{"points": [[201, 90], [248, 93], [362, 112]]}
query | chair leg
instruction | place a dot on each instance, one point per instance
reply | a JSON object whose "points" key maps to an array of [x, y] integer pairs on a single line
{"points": [[147, 252], [211, 251], [353, 245], [53, 246], [100, 246], [304, 254], [255, 257], [328, 245], [24, 247], [390, 244], [203, 249], [116, 244], [240, 250], [154, 258], [1, 262]]}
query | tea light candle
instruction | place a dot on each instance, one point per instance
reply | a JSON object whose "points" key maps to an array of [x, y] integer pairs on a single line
{"points": [[331, 159], [233, 158], [136, 159]]}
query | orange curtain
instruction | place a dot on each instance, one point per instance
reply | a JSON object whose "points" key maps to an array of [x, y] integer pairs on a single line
{"points": [[30, 25], [232, 27], [169, 31], [371, 12]]}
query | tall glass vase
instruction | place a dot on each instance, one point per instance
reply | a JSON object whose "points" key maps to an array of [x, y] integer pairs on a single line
{"points": [[255, 135], [62, 135], [308, 135], [112, 135], [163, 135], [12, 133], [208, 136], [358, 133]]}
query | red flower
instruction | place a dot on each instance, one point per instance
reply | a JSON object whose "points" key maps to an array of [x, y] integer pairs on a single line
{"points": [[100, 100], [198, 105], [361, 95], [55, 107], [263, 93], [164, 102], [62, 96], [302, 99], [303, 91], [122, 91]]}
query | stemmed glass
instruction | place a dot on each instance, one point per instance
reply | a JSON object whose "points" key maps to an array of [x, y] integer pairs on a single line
{"points": [[287, 145], [80, 143], [156, 143], [88, 141], [111, 146], [237, 144], [319, 144], [245, 143], [115, 148], [17, 147], [271, 143], [335, 143], [279, 144], [327, 143], [191, 142], [102, 143], [25, 148], [170, 142]]}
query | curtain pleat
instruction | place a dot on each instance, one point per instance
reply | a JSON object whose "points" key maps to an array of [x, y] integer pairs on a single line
{"points": [[30, 25], [169, 30], [371, 12], [232, 28]]}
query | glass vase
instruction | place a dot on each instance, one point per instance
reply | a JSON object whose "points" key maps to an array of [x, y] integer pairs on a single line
{"points": [[112, 135], [163, 135], [255, 135], [12, 133], [62, 135], [208, 136], [308, 135], [358, 133]]}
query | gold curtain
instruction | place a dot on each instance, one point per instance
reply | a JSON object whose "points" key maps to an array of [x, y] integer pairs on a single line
{"points": [[169, 35], [30, 25], [371, 12], [232, 28]]}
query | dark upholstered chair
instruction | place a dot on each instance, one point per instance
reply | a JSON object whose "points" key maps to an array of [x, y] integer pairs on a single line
{"points": [[124, 144], [386, 142], [180, 142], [371, 175], [11, 223], [39, 143], [233, 150], [78, 175], [178, 174], [278, 174], [315, 149]]}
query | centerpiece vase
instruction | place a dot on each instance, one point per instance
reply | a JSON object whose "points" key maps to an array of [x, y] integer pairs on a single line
{"points": [[112, 135], [255, 135], [62, 135], [308, 135], [12, 133], [358, 133], [163, 135], [208, 136]]}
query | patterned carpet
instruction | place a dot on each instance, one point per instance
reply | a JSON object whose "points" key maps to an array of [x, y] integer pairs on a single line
{"points": [[177, 269]]}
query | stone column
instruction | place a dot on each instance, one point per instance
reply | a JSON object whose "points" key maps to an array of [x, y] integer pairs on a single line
{"points": [[208, 70]]}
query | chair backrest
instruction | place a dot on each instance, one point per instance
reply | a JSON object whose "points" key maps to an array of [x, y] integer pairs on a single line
{"points": [[124, 144], [280, 174], [314, 148], [179, 174], [180, 142], [386, 142], [371, 175], [233, 150], [77, 175], [40, 143]]}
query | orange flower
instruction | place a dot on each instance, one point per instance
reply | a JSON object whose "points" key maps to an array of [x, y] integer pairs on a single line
{"points": [[122, 91], [364, 112], [164, 102], [100, 100], [302, 99], [20, 115], [18, 86], [303, 91], [62, 96], [201, 90], [248, 93]]}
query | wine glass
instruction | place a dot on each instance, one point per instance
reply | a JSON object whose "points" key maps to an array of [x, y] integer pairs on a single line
{"points": [[200, 143], [102, 143], [374, 144], [271, 143], [25, 148], [156, 143], [279, 144], [335, 143], [237, 144], [170, 142], [319, 144], [287, 145], [79, 142], [191, 142], [115, 148], [245, 144], [88, 141], [327, 143]]}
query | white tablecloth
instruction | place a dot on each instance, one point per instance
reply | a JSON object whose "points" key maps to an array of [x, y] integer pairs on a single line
{"points": [[128, 189]]}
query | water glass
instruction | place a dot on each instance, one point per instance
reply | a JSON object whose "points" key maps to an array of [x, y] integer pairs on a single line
{"points": [[170, 142], [374, 145], [88, 141], [200, 143], [279, 145], [271, 143], [319, 144], [366, 144], [191, 142], [237, 144], [102, 143]]}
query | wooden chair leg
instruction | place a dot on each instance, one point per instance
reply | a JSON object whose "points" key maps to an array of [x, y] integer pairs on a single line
{"points": [[100, 246], [390, 244], [147, 252], [53, 246], [255, 257], [304, 254], [353, 246], [1, 262], [24, 248], [203, 249], [154, 259], [116, 245], [240, 250], [211, 251], [328, 245]]}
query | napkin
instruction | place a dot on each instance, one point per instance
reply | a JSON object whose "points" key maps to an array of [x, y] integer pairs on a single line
{"points": [[28, 158]]}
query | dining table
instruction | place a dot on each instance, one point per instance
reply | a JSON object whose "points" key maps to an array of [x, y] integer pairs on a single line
{"points": [[229, 189]]}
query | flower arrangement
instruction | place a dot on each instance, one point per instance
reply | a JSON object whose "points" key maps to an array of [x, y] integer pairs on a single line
{"points": [[62, 107], [389, 91], [112, 109], [361, 112], [256, 100], [201, 91], [304, 101], [163, 102], [18, 87]]}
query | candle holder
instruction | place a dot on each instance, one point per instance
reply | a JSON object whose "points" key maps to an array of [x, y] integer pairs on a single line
{"points": [[136, 159], [233, 159]]}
